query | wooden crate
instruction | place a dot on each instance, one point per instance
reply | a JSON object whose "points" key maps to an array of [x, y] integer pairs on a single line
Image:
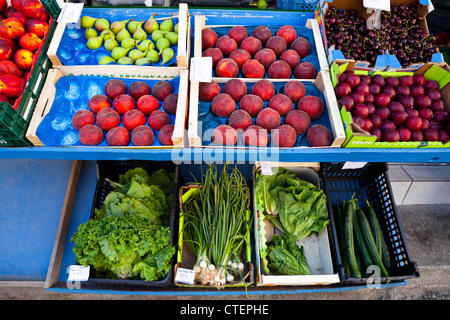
{"points": [[184, 42], [317, 246], [186, 259], [47, 97], [322, 83], [200, 24]]}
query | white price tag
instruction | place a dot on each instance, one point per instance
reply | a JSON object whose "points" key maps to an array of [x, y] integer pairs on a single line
{"points": [[201, 69], [430, 7], [78, 273], [266, 168], [185, 276], [378, 4], [353, 165], [70, 12]]}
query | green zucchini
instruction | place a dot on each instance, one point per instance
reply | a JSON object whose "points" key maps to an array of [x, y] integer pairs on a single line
{"points": [[360, 243], [370, 242], [349, 238], [378, 236]]}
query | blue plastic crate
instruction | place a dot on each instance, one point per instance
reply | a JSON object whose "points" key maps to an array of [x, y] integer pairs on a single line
{"points": [[303, 5]]}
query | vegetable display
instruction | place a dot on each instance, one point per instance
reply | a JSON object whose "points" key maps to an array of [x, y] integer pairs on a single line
{"points": [[361, 240], [217, 225], [129, 237], [296, 208]]}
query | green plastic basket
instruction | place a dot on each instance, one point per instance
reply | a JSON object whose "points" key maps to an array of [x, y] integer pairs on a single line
{"points": [[14, 120]]}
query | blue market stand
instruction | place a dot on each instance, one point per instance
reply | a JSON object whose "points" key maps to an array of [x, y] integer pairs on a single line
{"points": [[37, 180]]}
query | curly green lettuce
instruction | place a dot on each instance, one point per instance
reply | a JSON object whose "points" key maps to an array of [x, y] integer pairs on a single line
{"points": [[128, 246]]}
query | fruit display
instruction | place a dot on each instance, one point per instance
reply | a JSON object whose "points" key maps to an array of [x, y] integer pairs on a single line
{"points": [[395, 108], [113, 112], [121, 40], [23, 27], [263, 113], [262, 51], [402, 32]]}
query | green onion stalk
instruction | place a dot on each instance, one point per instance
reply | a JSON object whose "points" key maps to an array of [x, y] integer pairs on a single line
{"points": [[217, 226]]}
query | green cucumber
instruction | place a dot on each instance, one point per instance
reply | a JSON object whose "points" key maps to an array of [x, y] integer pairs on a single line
{"points": [[360, 243], [370, 242], [378, 235], [340, 234], [349, 238]]}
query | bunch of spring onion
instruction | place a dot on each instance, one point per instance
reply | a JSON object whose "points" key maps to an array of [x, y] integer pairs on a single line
{"points": [[217, 225]]}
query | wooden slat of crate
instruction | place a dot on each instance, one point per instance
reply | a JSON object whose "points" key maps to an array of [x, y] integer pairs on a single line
{"points": [[63, 227]]}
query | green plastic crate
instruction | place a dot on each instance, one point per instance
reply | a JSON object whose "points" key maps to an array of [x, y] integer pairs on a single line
{"points": [[14, 121]]}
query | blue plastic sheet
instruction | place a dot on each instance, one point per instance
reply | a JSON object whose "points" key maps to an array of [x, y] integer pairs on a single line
{"points": [[73, 94], [208, 121], [301, 32], [72, 49]]}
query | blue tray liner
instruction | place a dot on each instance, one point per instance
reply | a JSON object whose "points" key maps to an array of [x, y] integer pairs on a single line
{"points": [[208, 121], [72, 49], [301, 32], [73, 94]]}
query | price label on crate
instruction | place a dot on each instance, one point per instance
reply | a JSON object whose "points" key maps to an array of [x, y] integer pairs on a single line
{"points": [[201, 69], [353, 165], [378, 4], [266, 168], [185, 276], [78, 273], [70, 12]]}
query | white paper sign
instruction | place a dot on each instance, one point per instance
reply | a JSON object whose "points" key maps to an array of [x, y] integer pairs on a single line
{"points": [[353, 165], [70, 12], [378, 4], [266, 168], [201, 69], [78, 273], [185, 276]]}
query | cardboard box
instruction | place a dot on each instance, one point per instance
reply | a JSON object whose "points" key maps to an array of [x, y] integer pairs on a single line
{"points": [[386, 61], [317, 56], [358, 138], [45, 102], [68, 39], [316, 247], [321, 84], [186, 259]]}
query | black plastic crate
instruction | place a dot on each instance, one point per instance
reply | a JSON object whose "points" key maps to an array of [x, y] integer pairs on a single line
{"points": [[369, 183], [109, 169]]}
